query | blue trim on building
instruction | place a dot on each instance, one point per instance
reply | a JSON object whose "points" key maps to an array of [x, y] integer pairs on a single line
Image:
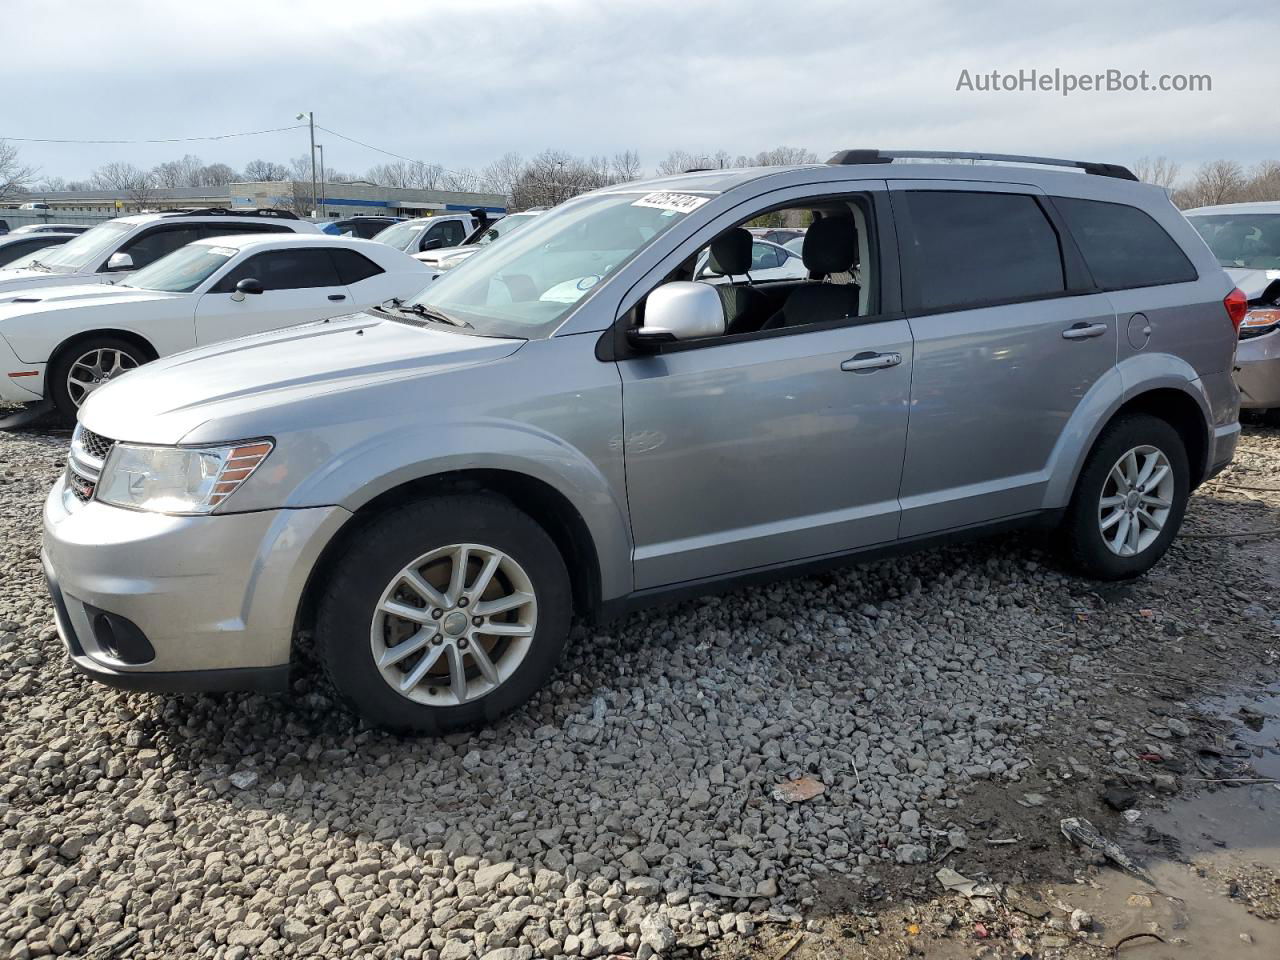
{"points": [[340, 202]]}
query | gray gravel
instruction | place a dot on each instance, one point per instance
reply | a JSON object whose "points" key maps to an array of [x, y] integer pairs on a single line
{"points": [[629, 809]]}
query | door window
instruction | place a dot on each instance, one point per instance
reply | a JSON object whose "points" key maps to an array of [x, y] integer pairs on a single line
{"points": [[970, 249], [450, 233], [1122, 246], [764, 256], [284, 270], [154, 244]]}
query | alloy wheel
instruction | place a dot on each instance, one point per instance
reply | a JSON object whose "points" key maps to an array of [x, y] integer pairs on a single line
{"points": [[94, 368], [454, 624], [1137, 497]]}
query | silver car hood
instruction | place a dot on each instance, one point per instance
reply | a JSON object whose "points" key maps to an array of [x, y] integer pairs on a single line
{"points": [[246, 380], [77, 293], [1252, 282]]}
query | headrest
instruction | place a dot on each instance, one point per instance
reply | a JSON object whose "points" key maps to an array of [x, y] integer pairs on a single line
{"points": [[830, 245], [731, 252]]}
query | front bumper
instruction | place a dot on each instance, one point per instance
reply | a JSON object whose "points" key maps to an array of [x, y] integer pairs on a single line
{"points": [[1258, 371], [213, 597]]}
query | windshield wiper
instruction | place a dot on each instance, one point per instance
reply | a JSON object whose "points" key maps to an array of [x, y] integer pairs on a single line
{"points": [[434, 315], [37, 265]]}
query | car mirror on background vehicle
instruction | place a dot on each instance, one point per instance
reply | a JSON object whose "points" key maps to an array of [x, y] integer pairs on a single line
{"points": [[120, 261], [247, 285], [679, 310]]}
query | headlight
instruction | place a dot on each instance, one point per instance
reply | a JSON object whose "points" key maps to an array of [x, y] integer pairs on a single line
{"points": [[450, 262], [1259, 320], [177, 479]]}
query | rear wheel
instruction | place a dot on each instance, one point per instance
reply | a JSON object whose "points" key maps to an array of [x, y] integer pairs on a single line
{"points": [[445, 615], [1129, 499], [84, 367]]}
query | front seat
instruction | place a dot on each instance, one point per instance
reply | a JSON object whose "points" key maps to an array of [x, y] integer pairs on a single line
{"points": [[730, 256], [830, 246]]}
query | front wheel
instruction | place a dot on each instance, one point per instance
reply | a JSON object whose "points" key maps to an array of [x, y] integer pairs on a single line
{"points": [[1129, 499], [84, 367], [445, 614]]}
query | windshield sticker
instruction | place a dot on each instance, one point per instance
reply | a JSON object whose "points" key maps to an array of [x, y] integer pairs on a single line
{"points": [[675, 202], [224, 251]]}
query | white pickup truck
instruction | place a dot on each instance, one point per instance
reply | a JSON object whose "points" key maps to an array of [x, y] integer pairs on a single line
{"points": [[434, 232]]}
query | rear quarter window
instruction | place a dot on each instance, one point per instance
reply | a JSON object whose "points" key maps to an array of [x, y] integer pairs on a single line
{"points": [[354, 267], [1123, 246]]}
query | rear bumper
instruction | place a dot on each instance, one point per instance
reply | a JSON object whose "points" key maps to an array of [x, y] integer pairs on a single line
{"points": [[1223, 450], [1258, 372]]}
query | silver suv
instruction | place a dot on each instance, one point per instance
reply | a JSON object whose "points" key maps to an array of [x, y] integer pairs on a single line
{"points": [[568, 424]]}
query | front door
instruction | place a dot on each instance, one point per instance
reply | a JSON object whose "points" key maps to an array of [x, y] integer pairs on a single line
{"points": [[299, 285]]}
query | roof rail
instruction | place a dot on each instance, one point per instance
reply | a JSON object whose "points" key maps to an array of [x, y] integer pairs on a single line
{"points": [[888, 156], [273, 212]]}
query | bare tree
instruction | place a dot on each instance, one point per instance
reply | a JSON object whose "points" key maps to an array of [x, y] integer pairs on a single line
{"points": [[136, 185], [465, 180], [678, 161], [14, 174], [178, 173], [298, 197], [215, 175], [51, 185], [502, 174], [1161, 171], [625, 166], [1264, 182], [265, 171], [1218, 181], [778, 157], [406, 174]]}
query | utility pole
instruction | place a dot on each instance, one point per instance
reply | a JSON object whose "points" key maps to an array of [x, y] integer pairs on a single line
{"points": [[315, 195], [321, 210]]}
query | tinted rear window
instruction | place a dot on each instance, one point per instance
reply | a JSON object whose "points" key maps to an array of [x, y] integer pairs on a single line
{"points": [[968, 249], [1123, 246]]}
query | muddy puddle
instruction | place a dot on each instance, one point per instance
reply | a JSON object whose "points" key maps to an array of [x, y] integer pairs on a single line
{"points": [[1214, 856]]}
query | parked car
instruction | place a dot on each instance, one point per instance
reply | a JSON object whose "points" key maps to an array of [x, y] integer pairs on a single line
{"points": [[432, 233], [366, 227], [449, 257], [769, 261], [114, 249], [570, 425], [35, 205], [53, 228], [780, 235], [15, 245], [64, 343], [1245, 237]]}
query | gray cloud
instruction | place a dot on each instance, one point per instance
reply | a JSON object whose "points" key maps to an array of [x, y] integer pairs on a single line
{"points": [[460, 81]]}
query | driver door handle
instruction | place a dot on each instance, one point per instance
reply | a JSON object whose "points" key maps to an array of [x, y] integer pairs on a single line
{"points": [[871, 361], [1083, 331], [337, 296]]}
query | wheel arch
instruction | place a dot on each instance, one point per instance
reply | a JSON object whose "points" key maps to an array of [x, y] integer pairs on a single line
{"points": [[551, 509], [129, 336]]}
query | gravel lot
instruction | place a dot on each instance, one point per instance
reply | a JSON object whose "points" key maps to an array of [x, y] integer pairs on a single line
{"points": [[631, 808]]}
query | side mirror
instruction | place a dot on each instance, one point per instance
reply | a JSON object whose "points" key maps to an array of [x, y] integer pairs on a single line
{"points": [[680, 310], [434, 244], [247, 285], [120, 261]]}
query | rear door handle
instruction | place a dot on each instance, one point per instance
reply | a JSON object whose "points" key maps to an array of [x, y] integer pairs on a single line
{"points": [[337, 296], [871, 361], [1083, 331]]}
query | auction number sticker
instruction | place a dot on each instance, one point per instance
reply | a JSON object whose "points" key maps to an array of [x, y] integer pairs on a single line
{"points": [[675, 202]]}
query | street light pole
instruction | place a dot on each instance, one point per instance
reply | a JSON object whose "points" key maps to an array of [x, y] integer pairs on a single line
{"points": [[321, 210], [315, 196]]}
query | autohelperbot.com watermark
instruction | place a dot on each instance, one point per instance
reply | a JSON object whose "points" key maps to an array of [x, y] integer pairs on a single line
{"points": [[1066, 82]]}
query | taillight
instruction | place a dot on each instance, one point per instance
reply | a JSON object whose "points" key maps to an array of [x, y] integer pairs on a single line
{"points": [[1237, 305]]}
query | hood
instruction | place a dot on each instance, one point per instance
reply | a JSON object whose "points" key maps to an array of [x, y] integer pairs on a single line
{"points": [[77, 293], [20, 278], [432, 257], [248, 378], [1252, 282]]}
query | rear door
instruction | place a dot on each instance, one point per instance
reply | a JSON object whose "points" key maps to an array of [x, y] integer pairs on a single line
{"points": [[1010, 336], [299, 285]]}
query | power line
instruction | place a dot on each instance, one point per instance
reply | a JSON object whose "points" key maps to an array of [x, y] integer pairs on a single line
{"points": [[218, 136]]}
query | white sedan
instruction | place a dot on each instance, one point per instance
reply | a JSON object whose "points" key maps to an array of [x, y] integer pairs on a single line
{"points": [[769, 261], [62, 343]]}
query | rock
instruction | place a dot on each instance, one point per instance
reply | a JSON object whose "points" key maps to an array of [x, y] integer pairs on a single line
{"points": [[656, 933], [643, 887], [243, 779], [456, 950], [1080, 920], [247, 937], [911, 853], [489, 877]]}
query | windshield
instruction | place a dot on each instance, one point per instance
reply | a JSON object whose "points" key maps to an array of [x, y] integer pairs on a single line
{"points": [[524, 287], [499, 229], [87, 248], [1242, 239], [183, 270], [400, 236]]}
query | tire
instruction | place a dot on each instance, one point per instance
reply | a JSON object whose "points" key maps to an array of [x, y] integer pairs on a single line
{"points": [[66, 403], [1093, 553], [1271, 417], [354, 628]]}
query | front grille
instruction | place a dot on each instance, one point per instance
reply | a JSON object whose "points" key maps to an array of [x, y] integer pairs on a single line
{"points": [[94, 444], [81, 487]]}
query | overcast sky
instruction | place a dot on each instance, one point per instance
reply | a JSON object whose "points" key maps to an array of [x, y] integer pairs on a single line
{"points": [[458, 82]]}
